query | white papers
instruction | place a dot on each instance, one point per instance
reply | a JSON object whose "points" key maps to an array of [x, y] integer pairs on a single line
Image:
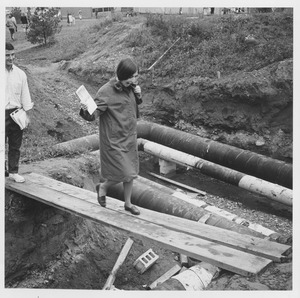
{"points": [[86, 99], [20, 117]]}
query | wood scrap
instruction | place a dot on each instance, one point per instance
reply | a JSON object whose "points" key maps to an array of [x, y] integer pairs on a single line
{"points": [[151, 67], [164, 277], [178, 184], [123, 254]]}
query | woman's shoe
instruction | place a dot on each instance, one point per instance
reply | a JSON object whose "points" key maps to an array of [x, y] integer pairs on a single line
{"points": [[102, 199], [132, 209]]}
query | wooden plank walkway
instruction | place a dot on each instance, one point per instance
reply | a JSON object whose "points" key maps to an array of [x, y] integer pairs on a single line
{"points": [[261, 247], [72, 199]]}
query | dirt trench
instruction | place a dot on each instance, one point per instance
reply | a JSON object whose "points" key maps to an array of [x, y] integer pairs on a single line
{"points": [[50, 249]]}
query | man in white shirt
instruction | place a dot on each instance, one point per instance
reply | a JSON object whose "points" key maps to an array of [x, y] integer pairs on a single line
{"points": [[16, 96]]}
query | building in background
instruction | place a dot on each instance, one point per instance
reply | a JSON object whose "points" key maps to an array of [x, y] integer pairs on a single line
{"points": [[86, 12], [95, 12], [174, 10]]}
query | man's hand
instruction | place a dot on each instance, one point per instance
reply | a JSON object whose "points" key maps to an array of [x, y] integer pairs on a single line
{"points": [[29, 114]]}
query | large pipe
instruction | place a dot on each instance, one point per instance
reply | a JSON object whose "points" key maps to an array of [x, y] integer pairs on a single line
{"points": [[247, 162], [147, 197], [272, 191], [215, 210], [196, 278], [210, 208], [75, 146], [275, 192]]}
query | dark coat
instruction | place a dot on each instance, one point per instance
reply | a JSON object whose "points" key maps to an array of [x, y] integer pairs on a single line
{"points": [[117, 132]]}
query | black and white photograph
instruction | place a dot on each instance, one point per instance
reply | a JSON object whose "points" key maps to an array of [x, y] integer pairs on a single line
{"points": [[149, 146]]}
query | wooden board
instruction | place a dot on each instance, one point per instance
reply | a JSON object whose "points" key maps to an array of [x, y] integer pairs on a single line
{"points": [[261, 247], [178, 184], [121, 258], [218, 255], [164, 277]]}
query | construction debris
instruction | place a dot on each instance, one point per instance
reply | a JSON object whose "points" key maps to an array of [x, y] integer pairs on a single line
{"points": [[183, 260], [145, 261], [196, 278], [164, 277], [119, 262]]}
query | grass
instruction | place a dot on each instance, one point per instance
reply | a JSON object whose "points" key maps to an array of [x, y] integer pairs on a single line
{"points": [[219, 43], [69, 43]]}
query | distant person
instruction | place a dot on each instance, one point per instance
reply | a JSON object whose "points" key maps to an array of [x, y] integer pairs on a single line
{"points": [[16, 96], [71, 19], [68, 19], [80, 15], [28, 13], [24, 22], [59, 14], [225, 10], [116, 110], [11, 24]]}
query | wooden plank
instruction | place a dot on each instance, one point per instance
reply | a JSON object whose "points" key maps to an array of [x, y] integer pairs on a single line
{"points": [[218, 255], [261, 247], [123, 254], [223, 213], [178, 184], [253, 226], [184, 197], [164, 277]]}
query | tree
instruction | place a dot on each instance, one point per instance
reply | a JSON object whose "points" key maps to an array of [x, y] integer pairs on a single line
{"points": [[16, 12], [44, 24]]}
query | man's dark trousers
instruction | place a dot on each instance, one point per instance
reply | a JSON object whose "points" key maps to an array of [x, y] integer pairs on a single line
{"points": [[13, 135]]}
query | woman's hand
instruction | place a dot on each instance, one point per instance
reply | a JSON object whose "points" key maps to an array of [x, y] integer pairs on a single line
{"points": [[84, 106], [137, 89]]}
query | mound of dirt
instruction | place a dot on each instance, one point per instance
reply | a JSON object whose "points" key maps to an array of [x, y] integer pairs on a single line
{"points": [[253, 111], [249, 109]]}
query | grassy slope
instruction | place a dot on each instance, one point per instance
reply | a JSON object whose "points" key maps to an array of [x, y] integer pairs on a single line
{"points": [[206, 46]]}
